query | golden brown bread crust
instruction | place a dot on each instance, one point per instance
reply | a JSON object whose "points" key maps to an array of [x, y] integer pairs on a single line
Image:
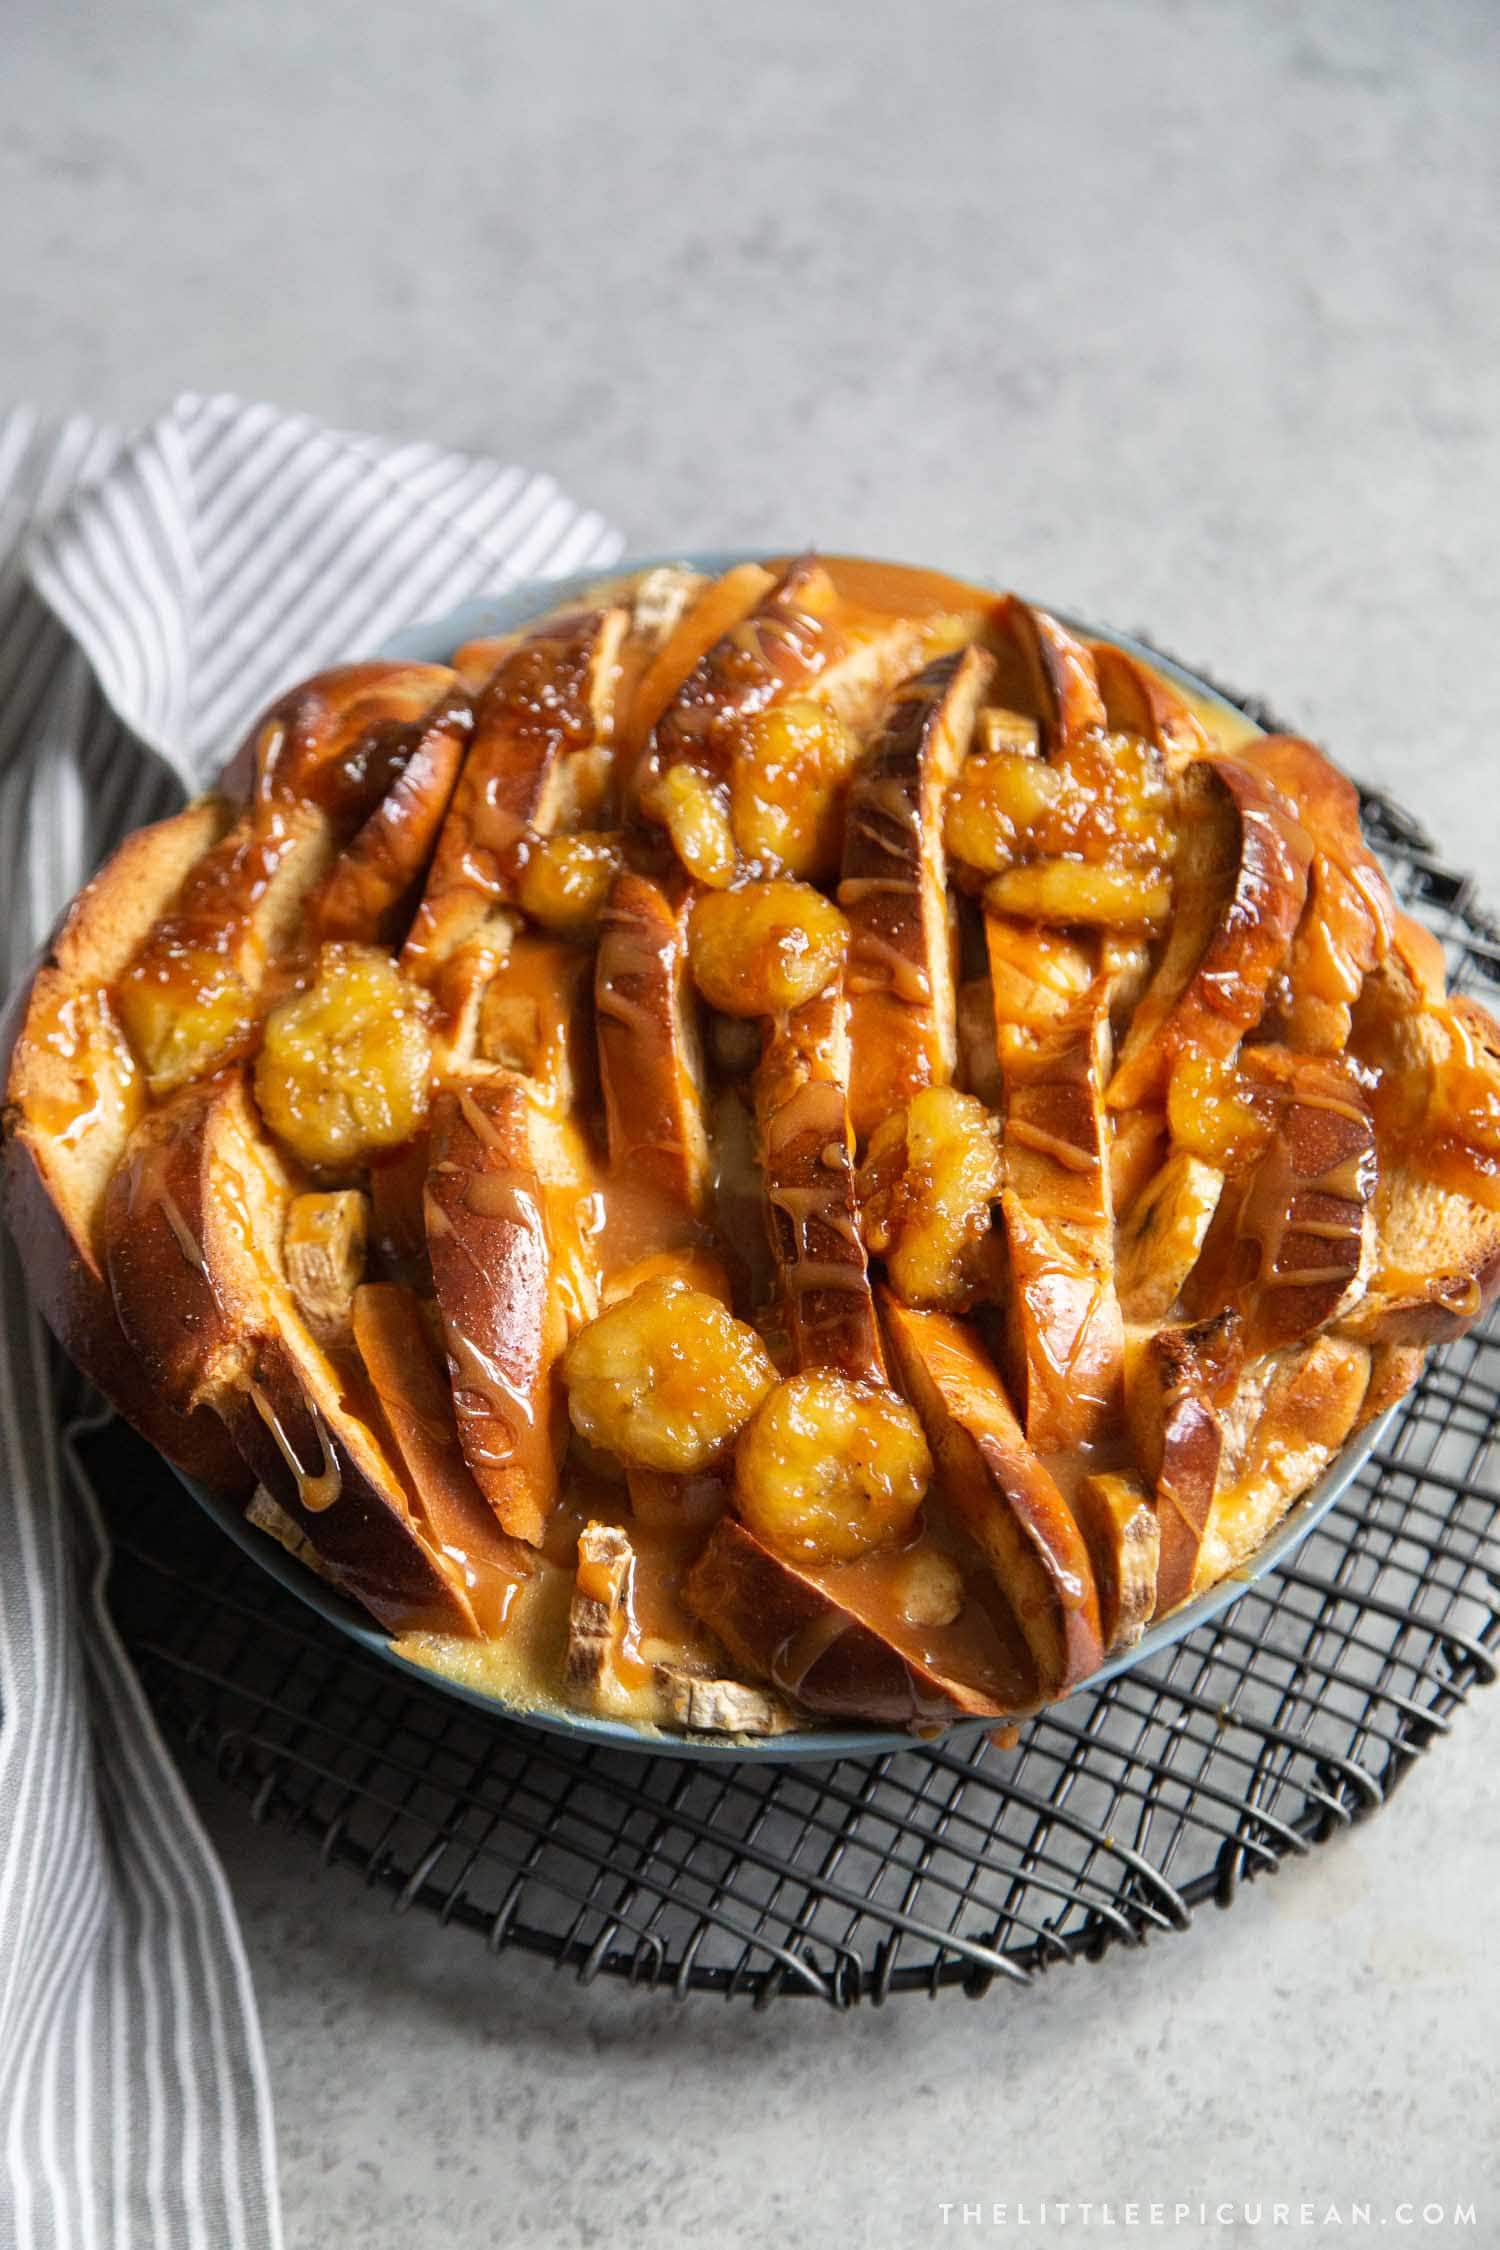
{"points": [[1291, 1238], [1045, 672], [1063, 1331], [1179, 1378], [72, 1094], [395, 1343], [807, 1165], [492, 1265], [550, 702], [780, 645], [1292, 1088], [893, 889], [1240, 886], [790, 1627], [1140, 702], [650, 1044], [193, 1226], [1000, 1489]]}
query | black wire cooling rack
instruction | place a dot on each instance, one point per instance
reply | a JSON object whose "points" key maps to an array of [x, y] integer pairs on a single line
{"points": [[1293, 1714]]}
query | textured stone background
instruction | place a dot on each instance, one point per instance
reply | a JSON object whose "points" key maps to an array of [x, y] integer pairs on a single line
{"points": [[1183, 315]]}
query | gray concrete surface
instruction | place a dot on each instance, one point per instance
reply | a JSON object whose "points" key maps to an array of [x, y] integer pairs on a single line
{"points": [[1179, 314]]}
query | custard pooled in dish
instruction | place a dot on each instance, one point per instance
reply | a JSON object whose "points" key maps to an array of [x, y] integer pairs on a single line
{"points": [[801, 1144]]}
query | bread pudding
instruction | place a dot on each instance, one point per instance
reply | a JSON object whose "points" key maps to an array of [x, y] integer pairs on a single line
{"points": [[809, 1142]]}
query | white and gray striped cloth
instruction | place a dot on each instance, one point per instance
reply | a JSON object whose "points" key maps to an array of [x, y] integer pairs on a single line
{"points": [[154, 593]]}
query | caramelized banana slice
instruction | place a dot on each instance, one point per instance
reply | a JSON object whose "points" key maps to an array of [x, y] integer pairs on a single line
{"points": [[194, 1225], [787, 786], [807, 1170], [926, 1189], [1074, 894], [566, 881], [766, 947], [1239, 889], [894, 891], [1000, 1491], [344, 1066], [73, 1093], [650, 1046], [550, 700], [1064, 1337], [667, 1377], [1162, 1234], [829, 1469], [1292, 1236], [504, 1319]]}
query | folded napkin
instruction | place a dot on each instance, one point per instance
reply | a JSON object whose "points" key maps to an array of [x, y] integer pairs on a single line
{"points": [[155, 593]]}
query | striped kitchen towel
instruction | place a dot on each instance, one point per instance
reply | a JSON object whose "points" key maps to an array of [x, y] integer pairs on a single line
{"points": [[154, 593]]}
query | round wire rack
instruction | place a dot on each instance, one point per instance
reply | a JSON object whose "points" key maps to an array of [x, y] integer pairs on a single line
{"points": [[1293, 1714]]}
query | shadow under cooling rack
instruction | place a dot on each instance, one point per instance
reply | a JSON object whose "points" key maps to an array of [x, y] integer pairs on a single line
{"points": [[1297, 1711]]}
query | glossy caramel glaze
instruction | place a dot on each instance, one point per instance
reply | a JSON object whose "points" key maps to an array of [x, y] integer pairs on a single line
{"points": [[874, 1143]]}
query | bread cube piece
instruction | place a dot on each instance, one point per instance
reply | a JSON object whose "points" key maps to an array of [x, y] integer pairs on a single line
{"points": [[550, 699], [1293, 1420], [1348, 922], [1044, 672], [606, 1668], [323, 1247], [1116, 1515], [394, 1336], [1162, 1234], [316, 768], [1137, 700]]}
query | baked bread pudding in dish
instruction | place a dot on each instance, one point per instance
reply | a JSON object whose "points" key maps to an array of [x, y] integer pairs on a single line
{"points": [[801, 1143]]}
